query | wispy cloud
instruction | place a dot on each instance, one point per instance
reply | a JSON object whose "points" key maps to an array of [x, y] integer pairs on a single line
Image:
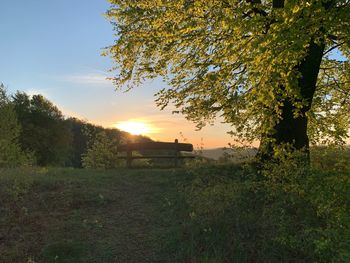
{"points": [[92, 79]]}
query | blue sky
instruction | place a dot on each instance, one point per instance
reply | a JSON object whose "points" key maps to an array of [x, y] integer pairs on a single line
{"points": [[53, 47]]}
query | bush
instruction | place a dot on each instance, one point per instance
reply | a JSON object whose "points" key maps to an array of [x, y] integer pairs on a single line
{"points": [[102, 153], [287, 213], [331, 158]]}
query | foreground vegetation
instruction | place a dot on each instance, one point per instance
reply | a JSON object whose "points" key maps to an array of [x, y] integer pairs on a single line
{"points": [[67, 215], [284, 214], [203, 213]]}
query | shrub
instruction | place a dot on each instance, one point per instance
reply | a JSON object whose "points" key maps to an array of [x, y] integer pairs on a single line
{"points": [[287, 213], [102, 153], [331, 157]]}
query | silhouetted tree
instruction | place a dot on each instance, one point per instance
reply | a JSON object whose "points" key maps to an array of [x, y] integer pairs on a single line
{"points": [[44, 130], [55, 140]]}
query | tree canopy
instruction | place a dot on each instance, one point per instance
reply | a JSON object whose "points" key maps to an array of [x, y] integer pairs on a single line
{"points": [[44, 130], [254, 62], [11, 153]]}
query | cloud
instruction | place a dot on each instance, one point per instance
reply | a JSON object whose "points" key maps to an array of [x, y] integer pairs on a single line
{"points": [[92, 79]]}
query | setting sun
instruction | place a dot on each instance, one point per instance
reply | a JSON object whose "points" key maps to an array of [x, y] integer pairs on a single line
{"points": [[134, 127]]}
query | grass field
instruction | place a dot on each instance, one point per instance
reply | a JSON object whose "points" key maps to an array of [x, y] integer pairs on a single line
{"points": [[202, 213], [67, 215]]}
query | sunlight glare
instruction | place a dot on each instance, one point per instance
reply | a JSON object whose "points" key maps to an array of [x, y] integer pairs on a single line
{"points": [[134, 127]]}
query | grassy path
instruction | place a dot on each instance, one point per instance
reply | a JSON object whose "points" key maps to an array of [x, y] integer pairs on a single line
{"points": [[90, 216]]}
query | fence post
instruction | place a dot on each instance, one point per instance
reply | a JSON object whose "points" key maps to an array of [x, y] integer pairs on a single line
{"points": [[176, 159], [128, 155]]}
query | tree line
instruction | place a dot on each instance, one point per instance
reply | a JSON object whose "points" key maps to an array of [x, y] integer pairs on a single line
{"points": [[34, 131]]}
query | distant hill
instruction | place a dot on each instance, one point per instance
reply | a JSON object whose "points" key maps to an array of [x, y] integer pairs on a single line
{"points": [[233, 154]]}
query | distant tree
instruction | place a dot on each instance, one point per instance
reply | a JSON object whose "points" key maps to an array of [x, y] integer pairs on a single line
{"points": [[44, 130], [11, 153], [53, 139], [83, 135], [79, 141], [255, 63], [102, 153]]}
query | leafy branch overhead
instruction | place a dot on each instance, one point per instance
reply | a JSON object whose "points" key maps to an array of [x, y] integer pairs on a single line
{"points": [[244, 60]]}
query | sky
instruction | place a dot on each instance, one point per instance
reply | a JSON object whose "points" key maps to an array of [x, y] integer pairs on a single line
{"points": [[54, 48]]}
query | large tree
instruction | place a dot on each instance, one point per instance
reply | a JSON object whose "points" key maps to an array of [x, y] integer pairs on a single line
{"points": [[44, 129], [269, 68]]}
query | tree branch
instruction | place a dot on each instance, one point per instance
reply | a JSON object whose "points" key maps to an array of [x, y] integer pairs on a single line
{"points": [[332, 48]]}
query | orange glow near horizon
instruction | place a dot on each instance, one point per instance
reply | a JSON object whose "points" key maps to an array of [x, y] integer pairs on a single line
{"points": [[135, 127]]}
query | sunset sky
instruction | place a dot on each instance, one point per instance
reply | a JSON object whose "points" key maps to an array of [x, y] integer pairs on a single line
{"points": [[53, 48]]}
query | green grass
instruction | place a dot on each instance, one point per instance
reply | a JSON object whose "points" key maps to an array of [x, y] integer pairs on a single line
{"points": [[202, 213], [67, 215]]}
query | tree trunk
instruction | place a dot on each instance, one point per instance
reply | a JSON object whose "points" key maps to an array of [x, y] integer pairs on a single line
{"points": [[292, 130]]}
